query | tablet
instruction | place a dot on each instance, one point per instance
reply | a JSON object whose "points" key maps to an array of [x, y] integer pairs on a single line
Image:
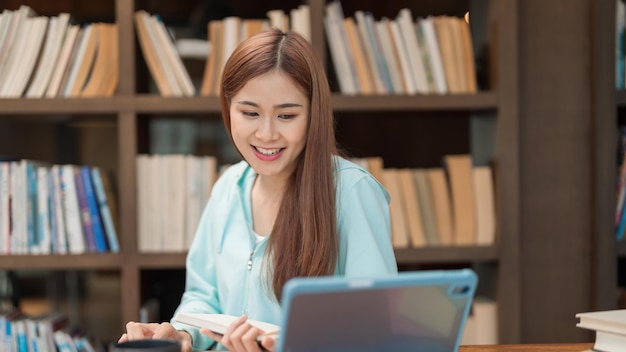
{"points": [[413, 311]]}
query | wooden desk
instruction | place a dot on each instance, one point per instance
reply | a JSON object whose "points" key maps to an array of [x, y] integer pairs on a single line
{"points": [[570, 347]]}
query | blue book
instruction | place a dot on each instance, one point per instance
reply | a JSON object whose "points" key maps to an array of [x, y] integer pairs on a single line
{"points": [[92, 203], [83, 208], [53, 221], [33, 223], [105, 211]]}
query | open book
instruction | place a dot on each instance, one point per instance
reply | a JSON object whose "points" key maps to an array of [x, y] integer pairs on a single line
{"points": [[218, 323]]}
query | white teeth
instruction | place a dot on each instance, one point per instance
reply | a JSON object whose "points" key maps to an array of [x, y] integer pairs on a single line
{"points": [[267, 151]]}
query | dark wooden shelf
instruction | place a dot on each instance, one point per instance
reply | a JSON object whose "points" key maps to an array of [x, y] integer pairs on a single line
{"points": [[436, 255], [620, 98], [621, 248], [83, 106], [62, 262], [152, 103], [159, 260], [470, 102]]}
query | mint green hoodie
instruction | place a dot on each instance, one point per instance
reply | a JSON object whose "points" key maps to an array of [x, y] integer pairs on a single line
{"points": [[225, 264]]}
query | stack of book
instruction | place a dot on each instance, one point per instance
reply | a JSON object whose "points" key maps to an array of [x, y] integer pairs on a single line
{"points": [[610, 328], [453, 205], [402, 55], [51, 57], [56, 209]]}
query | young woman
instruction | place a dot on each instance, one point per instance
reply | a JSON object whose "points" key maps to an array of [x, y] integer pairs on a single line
{"points": [[292, 207]]}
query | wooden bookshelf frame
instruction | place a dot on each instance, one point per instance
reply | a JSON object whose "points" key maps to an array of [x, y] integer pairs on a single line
{"points": [[127, 106]]}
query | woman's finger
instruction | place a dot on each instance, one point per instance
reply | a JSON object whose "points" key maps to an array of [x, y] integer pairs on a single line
{"points": [[227, 339], [249, 339]]}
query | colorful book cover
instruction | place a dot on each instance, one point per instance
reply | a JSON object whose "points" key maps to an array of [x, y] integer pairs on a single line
{"points": [[96, 223], [83, 208], [105, 211]]}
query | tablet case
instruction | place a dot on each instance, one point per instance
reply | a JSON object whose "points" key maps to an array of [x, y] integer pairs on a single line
{"points": [[422, 311]]}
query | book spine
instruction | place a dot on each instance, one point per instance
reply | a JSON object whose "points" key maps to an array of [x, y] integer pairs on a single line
{"points": [[105, 211], [84, 212], [96, 223]]}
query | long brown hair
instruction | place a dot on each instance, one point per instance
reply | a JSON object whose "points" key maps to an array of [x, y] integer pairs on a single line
{"points": [[304, 238]]}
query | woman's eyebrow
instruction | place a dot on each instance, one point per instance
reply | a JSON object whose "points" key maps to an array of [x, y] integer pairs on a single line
{"points": [[279, 106]]}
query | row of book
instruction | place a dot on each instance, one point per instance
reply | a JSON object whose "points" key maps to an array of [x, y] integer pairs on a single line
{"points": [[55, 209], [164, 61], [452, 205], [172, 191], [226, 34], [402, 55], [51, 57], [48, 333]]}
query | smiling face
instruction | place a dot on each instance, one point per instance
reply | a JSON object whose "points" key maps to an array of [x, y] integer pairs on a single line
{"points": [[268, 121]]}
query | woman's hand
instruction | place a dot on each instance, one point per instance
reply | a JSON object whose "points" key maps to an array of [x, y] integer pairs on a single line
{"points": [[139, 331], [242, 337]]}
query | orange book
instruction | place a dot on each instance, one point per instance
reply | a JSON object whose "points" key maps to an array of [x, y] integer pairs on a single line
{"points": [[441, 204], [149, 53], [448, 53], [413, 210], [468, 56], [459, 169], [86, 64], [209, 83], [366, 83], [399, 231]]}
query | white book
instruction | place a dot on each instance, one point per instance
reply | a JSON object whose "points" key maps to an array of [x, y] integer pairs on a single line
{"points": [[610, 328], [18, 52], [301, 21], [393, 64], [68, 42], [54, 41], [31, 55], [6, 19], [19, 217], [173, 59], [232, 38], [58, 211], [407, 28], [5, 210], [219, 322], [209, 170], [156, 208], [13, 44], [75, 237], [143, 181], [333, 26], [174, 203], [193, 197], [77, 60], [43, 212], [278, 19], [436, 65], [403, 56]]}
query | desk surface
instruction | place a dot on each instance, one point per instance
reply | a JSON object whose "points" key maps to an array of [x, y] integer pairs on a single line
{"points": [[571, 347]]}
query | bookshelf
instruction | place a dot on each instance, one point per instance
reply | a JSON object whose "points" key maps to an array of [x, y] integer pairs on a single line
{"points": [[129, 107]]}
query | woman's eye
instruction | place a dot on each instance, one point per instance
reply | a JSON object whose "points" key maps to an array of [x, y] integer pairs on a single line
{"points": [[286, 117], [250, 113]]}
